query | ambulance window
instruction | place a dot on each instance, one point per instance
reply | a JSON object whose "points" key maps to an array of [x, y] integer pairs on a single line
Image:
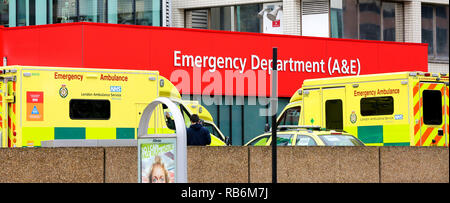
{"points": [[284, 139], [376, 106], [432, 107], [334, 114], [212, 130], [89, 109], [290, 117], [304, 140], [260, 141]]}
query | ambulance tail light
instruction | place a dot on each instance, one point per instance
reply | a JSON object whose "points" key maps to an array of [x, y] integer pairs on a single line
{"points": [[427, 74]]}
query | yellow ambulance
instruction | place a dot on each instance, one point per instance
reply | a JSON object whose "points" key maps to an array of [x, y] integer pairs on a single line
{"points": [[392, 109], [79, 106]]}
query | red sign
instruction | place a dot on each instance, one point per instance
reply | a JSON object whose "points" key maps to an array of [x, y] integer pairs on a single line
{"points": [[205, 61], [276, 23], [35, 106]]}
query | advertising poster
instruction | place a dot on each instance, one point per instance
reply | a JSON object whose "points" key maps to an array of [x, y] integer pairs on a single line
{"points": [[157, 160]]}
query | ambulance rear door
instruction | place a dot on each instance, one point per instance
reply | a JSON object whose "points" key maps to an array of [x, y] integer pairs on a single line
{"points": [[430, 111], [7, 111], [333, 107]]}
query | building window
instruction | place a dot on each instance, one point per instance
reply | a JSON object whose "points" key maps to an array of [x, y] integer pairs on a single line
{"points": [[369, 19], [92, 10], [63, 11], [435, 30], [242, 18], [344, 19], [34, 12], [366, 19], [246, 18], [148, 12], [220, 18], [4, 13]]}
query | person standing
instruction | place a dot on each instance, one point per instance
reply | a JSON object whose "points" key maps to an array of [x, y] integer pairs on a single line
{"points": [[197, 135]]}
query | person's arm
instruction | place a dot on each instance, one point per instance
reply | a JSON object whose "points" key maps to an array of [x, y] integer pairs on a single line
{"points": [[170, 122]]}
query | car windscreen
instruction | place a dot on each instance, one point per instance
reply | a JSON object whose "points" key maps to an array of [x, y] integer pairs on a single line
{"points": [[340, 140]]}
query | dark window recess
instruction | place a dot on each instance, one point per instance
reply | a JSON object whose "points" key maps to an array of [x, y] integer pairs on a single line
{"points": [[432, 107], [84, 109], [334, 114], [376, 106]]}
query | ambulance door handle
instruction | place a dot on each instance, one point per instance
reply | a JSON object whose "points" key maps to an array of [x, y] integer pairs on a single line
{"points": [[441, 132]]}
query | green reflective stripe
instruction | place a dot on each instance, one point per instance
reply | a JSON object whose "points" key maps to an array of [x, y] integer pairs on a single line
{"points": [[125, 133], [70, 133], [371, 134], [397, 144]]}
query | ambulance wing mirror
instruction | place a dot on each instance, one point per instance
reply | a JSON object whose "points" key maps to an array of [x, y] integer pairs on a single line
{"points": [[227, 141], [181, 149], [266, 128]]}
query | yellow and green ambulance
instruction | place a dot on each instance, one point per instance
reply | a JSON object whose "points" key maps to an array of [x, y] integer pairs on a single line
{"points": [[392, 109], [79, 106]]}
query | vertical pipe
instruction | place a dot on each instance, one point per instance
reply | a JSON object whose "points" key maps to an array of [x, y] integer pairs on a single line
{"points": [[273, 104]]}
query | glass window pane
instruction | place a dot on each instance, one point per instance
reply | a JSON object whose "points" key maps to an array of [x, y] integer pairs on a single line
{"points": [[334, 114], [284, 139], [304, 140], [64, 11], [432, 107], [375, 106], [253, 118], [4, 13], [89, 109], [343, 17], [21, 15], [148, 12], [442, 32], [220, 18], [427, 28], [125, 12], [93, 11], [340, 140], [369, 19], [247, 18], [290, 117], [389, 21]]}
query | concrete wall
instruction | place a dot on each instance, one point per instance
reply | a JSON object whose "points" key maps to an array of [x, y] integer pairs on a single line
{"points": [[233, 164]]}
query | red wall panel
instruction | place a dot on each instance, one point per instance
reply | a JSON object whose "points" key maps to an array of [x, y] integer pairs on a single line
{"points": [[60, 46], [93, 45], [115, 47]]}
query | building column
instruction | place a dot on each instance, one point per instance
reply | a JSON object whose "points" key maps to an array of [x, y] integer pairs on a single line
{"points": [[413, 21], [291, 17]]}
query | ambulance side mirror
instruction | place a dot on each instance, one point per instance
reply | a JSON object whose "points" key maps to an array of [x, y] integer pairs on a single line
{"points": [[227, 141], [266, 128]]}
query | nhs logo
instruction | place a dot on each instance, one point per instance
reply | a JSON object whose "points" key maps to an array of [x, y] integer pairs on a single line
{"points": [[115, 89]]}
